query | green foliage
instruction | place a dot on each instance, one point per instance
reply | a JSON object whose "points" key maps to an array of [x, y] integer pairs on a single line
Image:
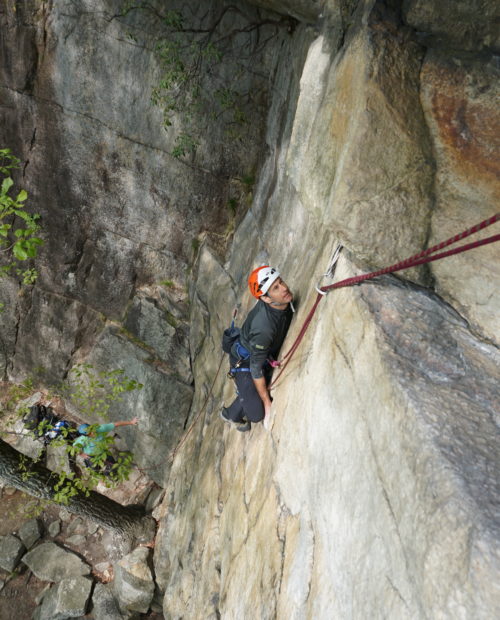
{"points": [[95, 391], [67, 486], [248, 180], [24, 467], [171, 320], [18, 392], [195, 244], [204, 68], [184, 145], [232, 205], [167, 283], [18, 240]]}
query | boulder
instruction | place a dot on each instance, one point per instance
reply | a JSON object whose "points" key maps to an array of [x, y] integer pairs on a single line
{"points": [[49, 562], [25, 442], [64, 515], [54, 528], [57, 459], [76, 526], [76, 540], [133, 585], [104, 604], [154, 498], [30, 532], [11, 551], [104, 571], [67, 599]]}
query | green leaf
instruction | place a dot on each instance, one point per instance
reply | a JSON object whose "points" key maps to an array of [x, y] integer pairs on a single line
{"points": [[19, 252], [7, 184], [21, 197]]}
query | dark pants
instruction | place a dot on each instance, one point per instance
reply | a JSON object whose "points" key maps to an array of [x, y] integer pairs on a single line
{"points": [[248, 404]]}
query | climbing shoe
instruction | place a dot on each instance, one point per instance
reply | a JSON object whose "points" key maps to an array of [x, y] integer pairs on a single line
{"points": [[243, 427], [223, 416]]}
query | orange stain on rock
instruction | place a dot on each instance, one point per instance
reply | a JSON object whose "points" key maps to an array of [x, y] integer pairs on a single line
{"points": [[468, 125]]}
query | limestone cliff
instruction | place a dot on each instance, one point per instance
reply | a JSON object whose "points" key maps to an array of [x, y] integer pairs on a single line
{"points": [[375, 493]]}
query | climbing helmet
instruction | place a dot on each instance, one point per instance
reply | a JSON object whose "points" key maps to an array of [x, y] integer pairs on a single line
{"points": [[260, 280]]}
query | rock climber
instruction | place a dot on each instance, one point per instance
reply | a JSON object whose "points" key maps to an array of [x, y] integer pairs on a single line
{"points": [[259, 342], [93, 445]]}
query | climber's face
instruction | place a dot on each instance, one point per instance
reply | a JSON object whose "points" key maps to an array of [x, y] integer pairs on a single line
{"points": [[278, 294]]}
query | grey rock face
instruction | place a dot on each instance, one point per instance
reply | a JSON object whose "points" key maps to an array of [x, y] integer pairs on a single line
{"points": [[123, 212], [472, 25], [8, 323], [375, 492], [133, 585], [30, 532], [306, 10], [467, 187], [157, 328], [49, 562], [162, 405], [11, 551], [67, 599], [129, 221]]}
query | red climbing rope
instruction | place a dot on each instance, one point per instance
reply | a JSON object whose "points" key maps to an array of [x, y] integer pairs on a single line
{"points": [[426, 256]]}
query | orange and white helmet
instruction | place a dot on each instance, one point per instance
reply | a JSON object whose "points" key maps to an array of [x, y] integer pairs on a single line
{"points": [[261, 279]]}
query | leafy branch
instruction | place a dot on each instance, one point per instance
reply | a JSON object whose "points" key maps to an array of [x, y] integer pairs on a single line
{"points": [[93, 392], [19, 241]]}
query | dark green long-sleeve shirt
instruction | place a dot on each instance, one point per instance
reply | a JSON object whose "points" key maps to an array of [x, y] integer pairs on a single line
{"points": [[263, 333]]}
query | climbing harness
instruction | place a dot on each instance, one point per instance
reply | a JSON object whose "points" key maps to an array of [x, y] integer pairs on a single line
{"points": [[426, 256]]}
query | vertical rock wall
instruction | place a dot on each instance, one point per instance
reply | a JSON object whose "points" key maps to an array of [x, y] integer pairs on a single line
{"points": [[375, 494]]}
